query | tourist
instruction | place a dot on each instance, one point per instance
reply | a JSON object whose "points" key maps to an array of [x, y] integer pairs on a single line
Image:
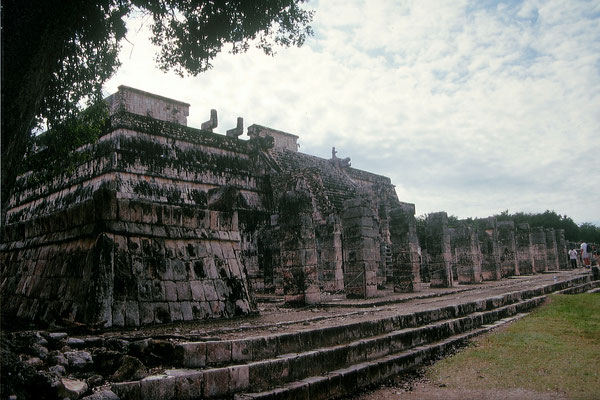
{"points": [[573, 258], [585, 254]]}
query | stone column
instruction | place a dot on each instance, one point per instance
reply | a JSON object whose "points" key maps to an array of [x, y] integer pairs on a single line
{"points": [[360, 258], [298, 252], [331, 274], [561, 249], [385, 269], [524, 249], [538, 242], [551, 250], [405, 258], [488, 241], [507, 248], [437, 243], [466, 254]]}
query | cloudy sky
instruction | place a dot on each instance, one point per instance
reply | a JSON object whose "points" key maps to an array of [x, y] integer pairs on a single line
{"points": [[470, 107]]}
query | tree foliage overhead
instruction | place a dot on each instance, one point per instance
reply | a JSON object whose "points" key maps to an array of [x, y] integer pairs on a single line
{"points": [[191, 34], [57, 54]]}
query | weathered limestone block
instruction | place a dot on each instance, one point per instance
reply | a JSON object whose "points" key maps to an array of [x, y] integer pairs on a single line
{"points": [[439, 251], [538, 242], [561, 249], [524, 249], [147, 104], [466, 253], [297, 267], [488, 243], [405, 258], [551, 250], [282, 140], [116, 280], [360, 252], [507, 248]]}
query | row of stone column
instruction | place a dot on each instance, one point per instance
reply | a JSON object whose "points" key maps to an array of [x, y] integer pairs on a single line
{"points": [[354, 253], [487, 249], [361, 249]]}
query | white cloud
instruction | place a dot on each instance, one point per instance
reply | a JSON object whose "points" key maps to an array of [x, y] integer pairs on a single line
{"points": [[469, 109]]}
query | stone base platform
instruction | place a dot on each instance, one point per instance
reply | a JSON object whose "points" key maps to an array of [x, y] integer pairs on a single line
{"points": [[322, 351]]}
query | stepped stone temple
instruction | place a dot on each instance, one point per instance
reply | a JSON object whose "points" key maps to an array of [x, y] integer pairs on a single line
{"points": [[160, 222]]}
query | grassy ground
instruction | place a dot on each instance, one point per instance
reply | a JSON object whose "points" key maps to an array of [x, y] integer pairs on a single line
{"points": [[554, 349]]}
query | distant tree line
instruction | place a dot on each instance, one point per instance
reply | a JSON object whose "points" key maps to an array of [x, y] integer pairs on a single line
{"points": [[586, 232]]}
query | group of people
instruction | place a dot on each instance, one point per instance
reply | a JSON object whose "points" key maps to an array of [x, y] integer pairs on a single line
{"points": [[589, 255]]}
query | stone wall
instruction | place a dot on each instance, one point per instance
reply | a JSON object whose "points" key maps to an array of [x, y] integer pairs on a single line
{"points": [[125, 263], [138, 102]]}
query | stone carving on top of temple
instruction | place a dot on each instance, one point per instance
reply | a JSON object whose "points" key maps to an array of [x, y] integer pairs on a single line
{"points": [[339, 162], [238, 130], [211, 123]]}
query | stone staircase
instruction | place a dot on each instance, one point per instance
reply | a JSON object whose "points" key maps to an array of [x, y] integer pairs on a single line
{"points": [[331, 361]]}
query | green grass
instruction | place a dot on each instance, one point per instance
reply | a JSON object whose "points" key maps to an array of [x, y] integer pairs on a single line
{"points": [[554, 349]]}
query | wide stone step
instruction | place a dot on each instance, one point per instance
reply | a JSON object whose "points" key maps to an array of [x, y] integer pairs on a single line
{"points": [[277, 360], [266, 374], [347, 380], [225, 352]]}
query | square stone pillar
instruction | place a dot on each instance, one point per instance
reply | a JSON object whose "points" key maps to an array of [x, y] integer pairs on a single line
{"points": [[297, 267], [437, 244], [507, 248], [524, 249], [360, 251], [466, 254], [551, 250], [329, 242], [561, 249], [406, 268], [538, 244], [488, 242]]}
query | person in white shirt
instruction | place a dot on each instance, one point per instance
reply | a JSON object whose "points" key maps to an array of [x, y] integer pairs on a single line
{"points": [[573, 258], [585, 256]]}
